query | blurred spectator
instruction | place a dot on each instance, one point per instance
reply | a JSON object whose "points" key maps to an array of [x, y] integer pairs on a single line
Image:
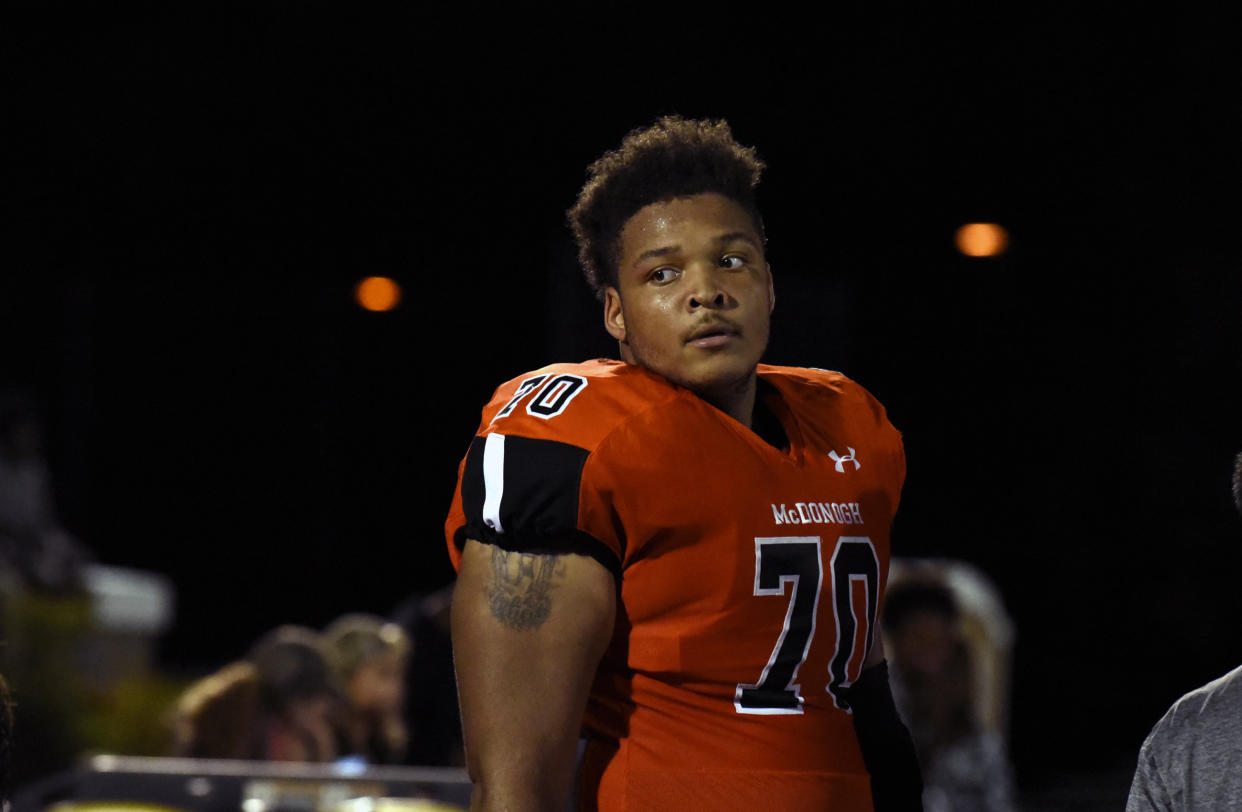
{"points": [[278, 704], [369, 656], [965, 765], [1192, 758], [432, 712], [6, 744], [35, 551]]}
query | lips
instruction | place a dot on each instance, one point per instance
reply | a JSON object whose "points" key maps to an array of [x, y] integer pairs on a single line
{"points": [[713, 334]]}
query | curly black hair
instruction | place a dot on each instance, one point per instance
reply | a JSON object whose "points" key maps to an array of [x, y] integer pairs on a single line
{"points": [[675, 157]]}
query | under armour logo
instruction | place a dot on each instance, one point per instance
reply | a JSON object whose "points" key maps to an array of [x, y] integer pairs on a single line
{"points": [[841, 461]]}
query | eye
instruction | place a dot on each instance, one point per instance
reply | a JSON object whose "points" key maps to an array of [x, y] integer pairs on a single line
{"points": [[663, 275], [732, 261]]}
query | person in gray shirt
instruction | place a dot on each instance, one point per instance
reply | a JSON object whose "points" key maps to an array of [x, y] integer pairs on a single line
{"points": [[1192, 759]]}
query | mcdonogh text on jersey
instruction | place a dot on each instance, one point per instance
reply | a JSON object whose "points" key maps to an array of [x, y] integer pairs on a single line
{"points": [[818, 513]]}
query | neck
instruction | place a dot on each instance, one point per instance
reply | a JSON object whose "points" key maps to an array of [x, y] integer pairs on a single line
{"points": [[737, 401]]}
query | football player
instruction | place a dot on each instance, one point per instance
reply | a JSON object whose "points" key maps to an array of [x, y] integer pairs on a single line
{"points": [[679, 557]]}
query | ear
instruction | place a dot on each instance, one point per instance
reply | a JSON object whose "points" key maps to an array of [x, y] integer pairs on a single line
{"points": [[771, 291], [614, 316]]}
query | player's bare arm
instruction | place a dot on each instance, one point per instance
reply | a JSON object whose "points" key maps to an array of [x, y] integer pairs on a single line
{"points": [[528, 633], [520, 588]]}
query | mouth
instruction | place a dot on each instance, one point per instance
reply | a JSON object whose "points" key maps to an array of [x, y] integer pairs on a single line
{"points": [[710, 336]]}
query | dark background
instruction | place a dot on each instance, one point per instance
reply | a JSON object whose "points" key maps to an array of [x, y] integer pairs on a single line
{"points": [[190, 199]]}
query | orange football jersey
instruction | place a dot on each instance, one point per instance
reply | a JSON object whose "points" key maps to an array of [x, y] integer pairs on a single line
{"points": [[750, 576]]}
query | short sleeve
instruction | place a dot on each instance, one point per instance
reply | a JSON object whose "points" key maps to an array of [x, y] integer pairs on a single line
{"points": [[1147, 790], [524, 494], [541, 471]]}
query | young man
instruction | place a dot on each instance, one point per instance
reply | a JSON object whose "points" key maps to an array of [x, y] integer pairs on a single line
{"points": [[1191, 758], [679, 557]]}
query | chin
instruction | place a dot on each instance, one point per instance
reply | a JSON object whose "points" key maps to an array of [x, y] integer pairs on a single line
{"points": [[719, 379], [702, 374]]}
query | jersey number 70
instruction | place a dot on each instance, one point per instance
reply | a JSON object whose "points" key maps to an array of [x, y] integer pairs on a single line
{"points": [[795, 560]]}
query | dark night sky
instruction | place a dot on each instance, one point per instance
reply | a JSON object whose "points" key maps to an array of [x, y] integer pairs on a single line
{"points": [[189, 201]]}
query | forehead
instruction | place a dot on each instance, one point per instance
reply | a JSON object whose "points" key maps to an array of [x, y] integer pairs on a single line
{"points": [[671, 222]]}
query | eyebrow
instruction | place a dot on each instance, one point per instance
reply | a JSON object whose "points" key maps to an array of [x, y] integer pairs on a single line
{"points": [[665, 251]]}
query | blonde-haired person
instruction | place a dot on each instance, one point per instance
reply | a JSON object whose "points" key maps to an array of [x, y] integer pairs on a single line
{"points": [[369, 656], [277, 704]]}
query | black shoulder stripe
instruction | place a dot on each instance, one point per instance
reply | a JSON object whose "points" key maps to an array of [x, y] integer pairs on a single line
{"points": [[541, 483], [537, 482]]}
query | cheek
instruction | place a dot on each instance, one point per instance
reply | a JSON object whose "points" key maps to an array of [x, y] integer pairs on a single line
{"points": [[654, 324], [396, 691], [379, 690], [386, 695]]}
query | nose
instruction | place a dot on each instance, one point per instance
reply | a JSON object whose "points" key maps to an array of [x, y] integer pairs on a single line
{"points": [[705, 291]]}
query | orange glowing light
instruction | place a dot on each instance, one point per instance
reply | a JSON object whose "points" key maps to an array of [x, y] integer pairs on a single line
{"points": [[378, 293], [982, 239]]}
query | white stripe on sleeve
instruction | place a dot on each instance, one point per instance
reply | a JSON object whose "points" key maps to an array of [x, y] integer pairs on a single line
{"points": [[493, 480]]}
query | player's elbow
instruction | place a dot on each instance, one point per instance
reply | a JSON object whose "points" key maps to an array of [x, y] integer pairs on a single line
{"points": [[516, 773], [537, 792]]}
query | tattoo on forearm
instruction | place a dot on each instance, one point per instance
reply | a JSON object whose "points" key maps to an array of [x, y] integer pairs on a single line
{"points": [[520, 591]]}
